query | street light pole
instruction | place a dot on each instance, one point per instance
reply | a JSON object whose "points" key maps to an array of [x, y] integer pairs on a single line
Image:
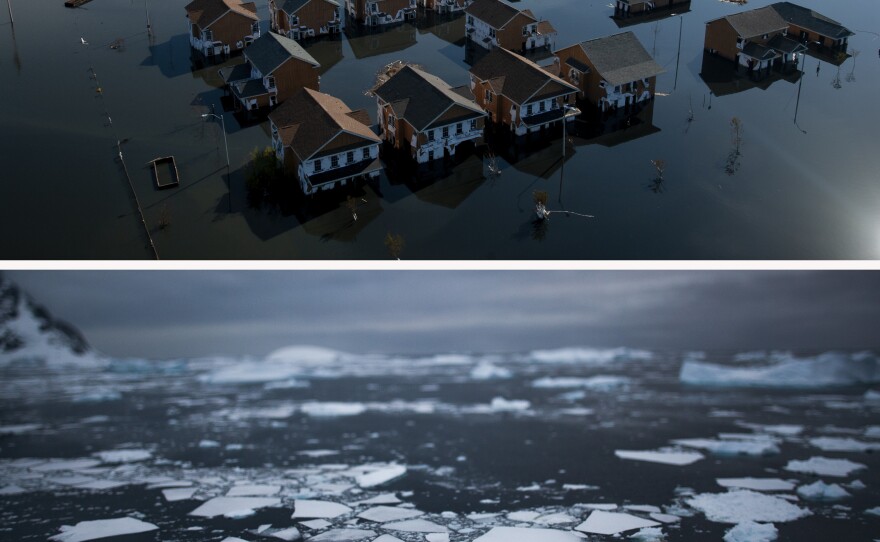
{"points": [[223, 125], [568, 111], [678, 56]]}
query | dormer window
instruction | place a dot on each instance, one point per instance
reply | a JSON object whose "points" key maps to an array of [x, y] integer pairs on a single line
{"points": [[270, 82], [209, 35], [255, 28], [318, 166], [488, 96], [765, 36]]}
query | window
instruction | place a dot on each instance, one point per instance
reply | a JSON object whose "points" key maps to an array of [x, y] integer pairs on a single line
{"points": [[492, 32], [209, 35], [528, 110], [270, 82], [255, 28], [430, 135], [488, 96], [349, 157], [430, 155], [458, 129], [334, 160], [446, 131], [374, 8], [365, 152], [318, 166], [765, 36], [473, 124], [542, 107], [470, 20]]}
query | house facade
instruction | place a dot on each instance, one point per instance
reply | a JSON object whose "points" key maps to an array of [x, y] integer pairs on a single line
{"points": [[302, 19], [808, 26], [220, 27], [322, 143], [493, 23], [381, 12], [422, 114], [445, 6], [611, 72], [274, 68], [519, 94]]}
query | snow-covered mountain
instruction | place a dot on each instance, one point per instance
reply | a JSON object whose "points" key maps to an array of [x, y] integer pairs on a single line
{"points": [[29, 332]]}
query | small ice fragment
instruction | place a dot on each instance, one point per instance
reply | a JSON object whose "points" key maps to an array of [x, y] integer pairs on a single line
{"points": [[12, 490], [749, 531], [752, 447], [872, 431], [381, 514], [380, 476], [387, 538], [437, 537], [102, 484], [601, 522], [600, 506], [385, 498], [178, 494], [288, 534], [873, 511], [318, 453], [333, 409], [837, 444], [664, 456], [252, 490], [648, 534], [856, 484], [318, 509], [316, 524], [123, 456], [757, 484], [820, 491], [170, 483], [578, 487], [647, 508], [343, 535], [66, 464], [19, 428], [500, 404], [533, 487], [206, 443], [743, 505], [523, 515], [233, 539], [665, 518], [555, 519], [520, 534], [824, 466], [487, 371], [102, 528], [223, 506], [416, 526], [784, 429]]}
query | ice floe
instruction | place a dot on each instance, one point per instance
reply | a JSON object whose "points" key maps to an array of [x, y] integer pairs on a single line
{"points": [[783, 429], [305, 508], [523, 534], [384, 498], [488, 371], [589, 356], [820, 491], [602, 522], [648, 534], [19, 429], [179, 493], [123, 456], [742, 505], [233, 506], [252, 490], [666, 456], [757, 484], [416, 526], [343, 535], [53, 465], [102, 528], [753, 447], [380, 475], [873, 511], [824, 466], [381, 514], [596, 383], [333, 409], [750, 531], [316, 524], [838, 444], [437, 537]]}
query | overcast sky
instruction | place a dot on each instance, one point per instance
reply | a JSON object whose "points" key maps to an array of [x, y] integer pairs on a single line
{"points": [[162, 314]]}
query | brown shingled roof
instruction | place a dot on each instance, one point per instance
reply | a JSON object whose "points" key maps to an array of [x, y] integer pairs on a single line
{"points": [[495, 13], [518, 78], [756, 22], [203, 13]]}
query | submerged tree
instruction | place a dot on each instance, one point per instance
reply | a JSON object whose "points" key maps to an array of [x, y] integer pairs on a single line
{"points": [[263, 173], [164, 217], [540, 199], [395, 244], [851, 78], [736, 135]]}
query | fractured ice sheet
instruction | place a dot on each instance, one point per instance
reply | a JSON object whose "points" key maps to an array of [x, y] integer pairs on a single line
{"points": [[590, 356], [252, 490], [824, 466], [601, 522], [437, 537], [102, 484], [648, 534], [749, 531], [520, 534], [784, 429], [304, 508], [666, 456], [381, 514], [233, 506], [595, 383], [380, 475], [820, 491], [123, 456], [384, 498], [343, 535], [838, 444], [66, 464], [757, 484], [416, 526], [743, 505], [728, 447], [316, 524], [178, 494], [102, 528]]}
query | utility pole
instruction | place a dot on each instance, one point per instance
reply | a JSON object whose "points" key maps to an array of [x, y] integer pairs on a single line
{"points": [[678, 56], [11, 18], [800, 84]]}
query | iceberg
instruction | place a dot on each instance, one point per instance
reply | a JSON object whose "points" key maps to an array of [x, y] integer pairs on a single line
{"points": [[749, 531], [820, 491], [589, 356], [756, 484], [520, 534], [233, 506], [318, 509], [102, 528], [666, 456], [601, 522], [742, 505], [824, 466]]}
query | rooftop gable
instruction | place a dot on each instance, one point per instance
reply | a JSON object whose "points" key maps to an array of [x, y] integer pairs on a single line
{"points": [[515, 76], [292, 6], [495, 13], [756, 22], [204, 13], [271, 50], [811, 20], [620, 58]]}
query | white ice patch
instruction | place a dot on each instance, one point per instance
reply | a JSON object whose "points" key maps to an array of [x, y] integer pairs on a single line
{"points": [[123, 456], [380, 475], [665, 518], [318, 509], [381, 514], [99, 485], [178, 494], [102, 528], [343, 535], [318, 453], [600, 506], [333, 409], [233, 506], [646, 508], [384, 498], [784, 429], [838, 444], [820, 491], [873, 511], [749, 531], [437, 537], [66, 464], [595, 383], [665, 456], [520, 534], [387, 538], [416, 526], [590, 356], [872, 431], [601, 522], [729, 447], [500, 404], [579, 487], [824, 466], [648, 534], [19, 429], [246, 490], [488, 371], [316, 524], [757, 484], [742, 505], [206, 443]]}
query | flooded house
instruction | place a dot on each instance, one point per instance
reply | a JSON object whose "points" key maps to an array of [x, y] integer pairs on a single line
{"points": [[301, 19], [493, 23], [756, 40], [322, 143], [626, 8], [519, 94], [812, 28], [381, 12], [445, 6], [275, 67], [220, 27], [421, 114], [614, 72]]}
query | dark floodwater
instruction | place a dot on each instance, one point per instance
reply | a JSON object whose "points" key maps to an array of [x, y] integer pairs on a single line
{"points": [[459, 459], [801, 191]]}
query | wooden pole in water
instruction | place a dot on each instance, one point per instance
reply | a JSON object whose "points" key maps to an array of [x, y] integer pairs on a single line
{"points": [[9, 5]]}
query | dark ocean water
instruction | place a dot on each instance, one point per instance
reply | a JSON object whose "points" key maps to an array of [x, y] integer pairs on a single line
{"points": [[476, 433], [802, 191]]}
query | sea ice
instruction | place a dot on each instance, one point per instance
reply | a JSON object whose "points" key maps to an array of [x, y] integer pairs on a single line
{"points": [[71, 480], [601, 522], [233, 506], [665, 518], [416, 526], [102, 484], [252, 490], [318, 453], [318, 509], [590, 356], [837, 444], [666, 456], [784, 429], [820, 491], [19, 429], [873, 511], [487, 371], [437, 537], [757, 484], [316, 524], [387, 538], [384, 498], [500, 404], [520, 534], [872, 431], [578, 487], [749, 531], [648, 534], [289, 534], [646, 508], [102, 528], [66, 464], [596, 383], [523, 515], [381, 514], [170, 483], [343, 535], [824, 466], [178, 494], [12, 489], [600, 506], [123, 456], [332, 409], [380, 475], [206, 443], [753, 447], [743, 505]]}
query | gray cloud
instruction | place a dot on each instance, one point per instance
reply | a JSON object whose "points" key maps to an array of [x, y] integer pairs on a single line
{"points": [[192, 313]]}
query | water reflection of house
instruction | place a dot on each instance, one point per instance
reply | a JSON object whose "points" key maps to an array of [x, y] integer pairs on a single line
{"points": [[517, 93], [366, 44], [722, 81], [451, 186], [322, 143], [447, 29], [610, 72], [493, 23], [301, 19], [828, 39], [219, 27], [420, 113], [274, 68], [445, 6], [593, 128], [755, 40], [636, 8], [327, 51], [381, 12], [539, 163]]}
